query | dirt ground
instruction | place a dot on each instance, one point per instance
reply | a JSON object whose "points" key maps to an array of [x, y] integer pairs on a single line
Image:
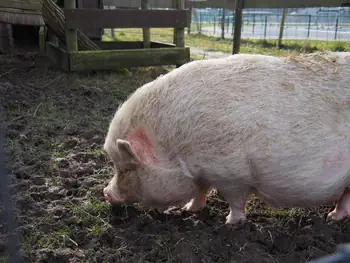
{"points": [[56, 123]]}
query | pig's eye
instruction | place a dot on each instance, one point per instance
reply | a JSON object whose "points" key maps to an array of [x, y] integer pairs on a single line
{"points": [[126, 171]]}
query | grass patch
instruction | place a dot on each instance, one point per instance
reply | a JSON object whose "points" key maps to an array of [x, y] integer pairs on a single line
{"points": [[210, 43]]}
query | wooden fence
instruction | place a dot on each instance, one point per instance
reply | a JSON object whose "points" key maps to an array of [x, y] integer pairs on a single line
{"points": [[122, 54]]}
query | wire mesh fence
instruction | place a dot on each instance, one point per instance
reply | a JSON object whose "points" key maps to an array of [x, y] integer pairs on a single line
{"points": [[266, 25], [212, 30]]}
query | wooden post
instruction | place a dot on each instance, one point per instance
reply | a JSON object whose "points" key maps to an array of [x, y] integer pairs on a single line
{"points": [[71, 34], [42, 35], [279, 41], [336, 27], [180, 32], [238, 26], [6, 39], [175, 29], [146, 32], [189, 28], [223, 23], [113, 29], [11, 40], [308, 27]]}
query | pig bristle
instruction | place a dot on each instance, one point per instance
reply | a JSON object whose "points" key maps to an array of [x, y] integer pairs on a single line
{"points": [[320, 63]]}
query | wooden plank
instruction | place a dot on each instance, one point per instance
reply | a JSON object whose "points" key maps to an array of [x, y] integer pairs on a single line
{"points": [[71, 33], [58, 56], [20, 17], [124, 18], [110, 45], [92, 33], [156, 44], [114, 59], [238, 26], [293, 4], [35, 6], [136, 4], [228, 4]]}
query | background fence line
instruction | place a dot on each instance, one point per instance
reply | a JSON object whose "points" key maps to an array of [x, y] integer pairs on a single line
{"points": [[263, 25], [304, 28]]}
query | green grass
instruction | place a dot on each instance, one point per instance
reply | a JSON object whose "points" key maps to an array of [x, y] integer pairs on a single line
{"points": [[208, 43]]}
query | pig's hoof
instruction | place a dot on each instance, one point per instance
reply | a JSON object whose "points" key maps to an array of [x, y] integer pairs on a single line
{"points": [[236, 219], [194, 206], [337, 215]]}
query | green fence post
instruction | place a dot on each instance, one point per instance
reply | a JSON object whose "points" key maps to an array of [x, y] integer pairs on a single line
{"points": [[253, 23], [308, 27], [336, 27], [265, 27]]}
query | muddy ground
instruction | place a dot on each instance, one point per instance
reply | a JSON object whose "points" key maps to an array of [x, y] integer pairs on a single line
{"points": [[56, 123]]}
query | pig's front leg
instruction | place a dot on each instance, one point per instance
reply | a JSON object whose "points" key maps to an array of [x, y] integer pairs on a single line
{"points": [[199, 201], [236, 198]]}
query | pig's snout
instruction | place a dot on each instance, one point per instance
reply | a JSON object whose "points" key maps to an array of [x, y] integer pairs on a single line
{"points": [[111, 198], [106, 195]]}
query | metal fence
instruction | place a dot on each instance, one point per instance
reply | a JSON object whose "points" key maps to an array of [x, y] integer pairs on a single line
{"points": [[266, 25]]}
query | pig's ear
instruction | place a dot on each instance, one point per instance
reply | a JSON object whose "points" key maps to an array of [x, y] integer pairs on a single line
{"points": [[126, 153]]}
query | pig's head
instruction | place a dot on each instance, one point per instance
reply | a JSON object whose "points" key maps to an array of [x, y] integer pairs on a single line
{"points": [[142, 177], [125, 184]]}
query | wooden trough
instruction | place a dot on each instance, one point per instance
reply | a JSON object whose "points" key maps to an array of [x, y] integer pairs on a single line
{"points": [[121, 54]]}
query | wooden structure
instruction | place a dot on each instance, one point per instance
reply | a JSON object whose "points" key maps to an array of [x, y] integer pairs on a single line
{"points": [[121, 54], [17, 13], [14, 12]]}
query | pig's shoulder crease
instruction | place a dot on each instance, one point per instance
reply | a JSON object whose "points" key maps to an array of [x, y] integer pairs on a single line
{"points": [[142, 145]]}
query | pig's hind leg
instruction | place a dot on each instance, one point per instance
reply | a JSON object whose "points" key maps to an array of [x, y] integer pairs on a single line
{"points": [[236, 198], [342, 209]]}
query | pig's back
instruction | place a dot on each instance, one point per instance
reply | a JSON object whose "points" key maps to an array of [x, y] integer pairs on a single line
{"points": [[235, 98]]}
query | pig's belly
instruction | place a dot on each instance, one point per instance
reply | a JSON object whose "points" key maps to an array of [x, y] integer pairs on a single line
{"points": [[288, 198], [303, 181]]}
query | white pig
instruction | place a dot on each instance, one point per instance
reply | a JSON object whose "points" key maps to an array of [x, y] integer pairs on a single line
{"points": [[275, 127]]}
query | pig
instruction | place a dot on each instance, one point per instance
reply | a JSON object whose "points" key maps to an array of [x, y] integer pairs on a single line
{"points": [[275, 127]]}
